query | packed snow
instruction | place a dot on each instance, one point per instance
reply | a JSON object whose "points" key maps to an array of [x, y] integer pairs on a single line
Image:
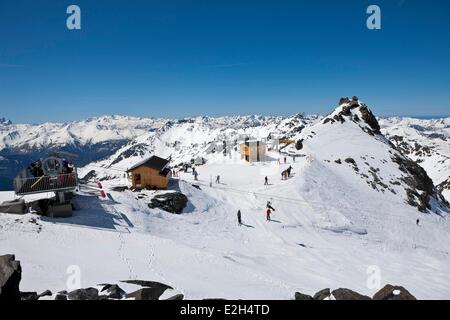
{"points": [[335, 222]]}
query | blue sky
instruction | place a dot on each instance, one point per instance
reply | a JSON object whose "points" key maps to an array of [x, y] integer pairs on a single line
{"points": [[184, 58]]}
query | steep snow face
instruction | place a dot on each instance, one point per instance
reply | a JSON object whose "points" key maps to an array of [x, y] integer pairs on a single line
{"points": [[425, 141], [349, 143]]}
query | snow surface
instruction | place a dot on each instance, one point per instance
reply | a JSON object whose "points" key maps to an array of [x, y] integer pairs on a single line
{"points": [[329, 230], [203, 253]]}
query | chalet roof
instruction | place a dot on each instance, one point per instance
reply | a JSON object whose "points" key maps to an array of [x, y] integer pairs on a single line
{"points": [[153, 162]]}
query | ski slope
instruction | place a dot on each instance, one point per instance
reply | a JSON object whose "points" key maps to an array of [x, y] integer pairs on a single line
{"points": [[342, 214], [204, 253]]}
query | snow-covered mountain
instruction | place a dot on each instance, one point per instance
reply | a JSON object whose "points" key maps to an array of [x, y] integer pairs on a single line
{"points": [[348, 138], [185, 140], [351, 137], [426, 142], [354, 210], [90, 139]]}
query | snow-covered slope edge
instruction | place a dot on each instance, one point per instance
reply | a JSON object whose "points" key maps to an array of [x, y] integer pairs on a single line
{"points": [[426, 142]]}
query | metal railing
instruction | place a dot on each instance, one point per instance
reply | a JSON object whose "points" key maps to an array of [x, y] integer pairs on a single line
{"points": [[62, 182]]}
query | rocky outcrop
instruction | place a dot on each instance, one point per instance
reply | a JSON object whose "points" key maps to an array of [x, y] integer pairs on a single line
{"points": [[13, 207], [10, 276], [173, 202], [347, 294], [445, 185], [420, 186], [113, 291], [299, 144], [145, 294], [176, 297], [61, 297], [372, 128], [46, 293], [390, 292], [84, 294], [152, 290], [322, 294], [370, 119], [303, 297], [29, 296], [343, 100]]}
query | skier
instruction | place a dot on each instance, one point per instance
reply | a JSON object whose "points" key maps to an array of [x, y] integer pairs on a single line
{"points": [[196, 175], [289, 171], [417, 222], [266, 181], [239, 218], [218, 179], [284, 160], [268, 212], [269, 206]]}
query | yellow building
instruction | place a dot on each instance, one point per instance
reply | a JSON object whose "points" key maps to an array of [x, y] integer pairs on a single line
{"points": [[253, 150], [153, 173]]}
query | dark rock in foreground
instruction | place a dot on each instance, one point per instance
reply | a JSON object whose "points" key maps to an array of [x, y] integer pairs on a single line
{"points": [[84, 294], [29, 296], [61, 297], [301, 296], [390, 292], [152, 289], [146, 294], [176, 297], [46, 293], [114, 291], [322, 294], [173, 202], [13, 207], [10, 276], [347, 294]]}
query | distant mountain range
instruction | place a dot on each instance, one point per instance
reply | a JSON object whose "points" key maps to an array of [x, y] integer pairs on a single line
{"points": [[119, 141]]}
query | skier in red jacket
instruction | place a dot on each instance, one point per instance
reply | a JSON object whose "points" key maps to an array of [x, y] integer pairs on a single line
{"points": [[268, 212]]}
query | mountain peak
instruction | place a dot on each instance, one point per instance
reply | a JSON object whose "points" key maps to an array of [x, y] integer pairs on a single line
{"points": [[5, 121], [354, 110]]}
